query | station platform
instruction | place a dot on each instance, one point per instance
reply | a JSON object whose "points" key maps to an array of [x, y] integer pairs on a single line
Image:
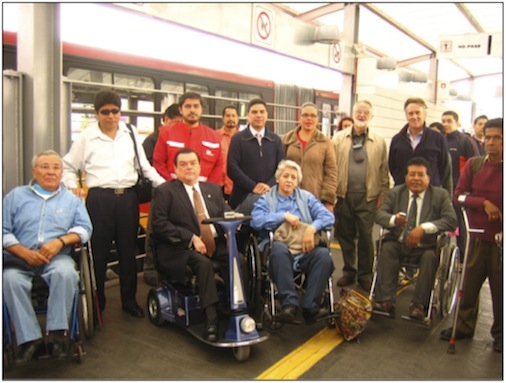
{"points": [[128, 348]]}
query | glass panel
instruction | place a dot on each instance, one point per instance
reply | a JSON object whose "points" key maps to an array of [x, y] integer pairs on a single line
{"points": [[230, 99], [133, 81], [326, 119], [89, 75]]}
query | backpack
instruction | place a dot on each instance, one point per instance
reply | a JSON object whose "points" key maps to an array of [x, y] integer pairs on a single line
{"points": [[476, 164]]}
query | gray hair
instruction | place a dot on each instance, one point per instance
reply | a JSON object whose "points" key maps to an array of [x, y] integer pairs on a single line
{"points": [[283, 164], [306, 104], [49, 152], [366, 102]]}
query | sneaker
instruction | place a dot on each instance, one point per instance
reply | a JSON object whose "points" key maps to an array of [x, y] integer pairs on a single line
{"points": [[447, 334]]}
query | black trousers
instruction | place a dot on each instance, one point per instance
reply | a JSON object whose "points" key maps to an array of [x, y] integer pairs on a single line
{"points": [[203, 268], [114, 218]]}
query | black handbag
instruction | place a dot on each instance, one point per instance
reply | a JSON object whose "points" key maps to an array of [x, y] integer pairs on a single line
{"points": [[143, 188]]}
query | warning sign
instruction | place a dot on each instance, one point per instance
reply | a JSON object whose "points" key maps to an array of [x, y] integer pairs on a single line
{"points": [[469, 45], [262, 26]]}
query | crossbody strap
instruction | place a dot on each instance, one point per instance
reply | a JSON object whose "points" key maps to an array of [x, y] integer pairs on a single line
{"points": [[139, 169]]}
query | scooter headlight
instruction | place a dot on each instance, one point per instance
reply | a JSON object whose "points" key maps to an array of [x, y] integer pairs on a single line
{"points": [[248, 324]]}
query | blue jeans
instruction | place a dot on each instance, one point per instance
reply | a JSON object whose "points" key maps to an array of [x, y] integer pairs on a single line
{"points": [[317, 265], [61, 276]]}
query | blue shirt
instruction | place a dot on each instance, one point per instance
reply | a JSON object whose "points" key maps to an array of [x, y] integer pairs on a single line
{"points": [[266, 219], [32, 220]]}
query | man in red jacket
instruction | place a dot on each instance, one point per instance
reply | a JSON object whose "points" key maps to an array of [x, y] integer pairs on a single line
{"points": [[189, 133]]}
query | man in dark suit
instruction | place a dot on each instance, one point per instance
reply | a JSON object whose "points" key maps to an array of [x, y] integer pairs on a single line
{"points": [[412, 236], [182, 240]]}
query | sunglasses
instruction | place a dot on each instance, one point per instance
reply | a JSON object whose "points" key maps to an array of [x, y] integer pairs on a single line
{"points": [[106, 112]]}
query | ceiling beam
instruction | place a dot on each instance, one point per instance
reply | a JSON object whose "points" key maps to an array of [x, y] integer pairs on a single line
{"points": [[415, 60], [470, 18], [398, 26], [320, 11]]}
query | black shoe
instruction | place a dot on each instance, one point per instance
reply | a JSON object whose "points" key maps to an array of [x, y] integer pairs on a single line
{"points": [[151, 277], [59, 349], [447, 334], [288, 313], [29, 351], [386, 308], [365, 284], [211, 333], [312, 315], [135, 310], [498, 344], [345, 281]]}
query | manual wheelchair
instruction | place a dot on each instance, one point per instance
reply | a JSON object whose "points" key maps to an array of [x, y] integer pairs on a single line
{"points": [[82, 319], [262, 293], [444, 291]]}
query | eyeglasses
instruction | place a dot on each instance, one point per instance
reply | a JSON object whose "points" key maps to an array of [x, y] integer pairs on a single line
{"points": [[305, 115], [106, 112], [46, 167]]}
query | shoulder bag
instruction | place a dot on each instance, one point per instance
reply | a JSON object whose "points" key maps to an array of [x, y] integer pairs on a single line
{"points": [[143, 188]]}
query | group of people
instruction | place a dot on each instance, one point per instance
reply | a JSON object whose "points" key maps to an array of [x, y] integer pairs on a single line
{"points": [[302, 182]]}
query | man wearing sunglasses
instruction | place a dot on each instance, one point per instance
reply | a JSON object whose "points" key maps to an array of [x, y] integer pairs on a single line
{"points": [[105, 153]]}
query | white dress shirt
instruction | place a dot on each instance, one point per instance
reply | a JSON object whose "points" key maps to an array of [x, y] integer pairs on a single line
{"points": [[107, 162]]}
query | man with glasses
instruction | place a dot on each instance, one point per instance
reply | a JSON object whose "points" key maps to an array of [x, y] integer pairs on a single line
{"points": [[363, 182], [105, 153], [41, 223]]}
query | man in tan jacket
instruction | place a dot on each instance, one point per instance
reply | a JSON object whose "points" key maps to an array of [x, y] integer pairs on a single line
{"points": [[362, 165]]}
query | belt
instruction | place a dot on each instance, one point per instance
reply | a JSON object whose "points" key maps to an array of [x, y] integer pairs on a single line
{"points": [[118, 191]]}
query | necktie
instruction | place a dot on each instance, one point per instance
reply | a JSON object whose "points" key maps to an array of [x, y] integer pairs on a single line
{"points": [[413, 211], [259, 138], [205, 230]]}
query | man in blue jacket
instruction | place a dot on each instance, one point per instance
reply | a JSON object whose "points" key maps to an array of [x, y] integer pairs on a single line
{"points": [[253, 155], [416, 140]]}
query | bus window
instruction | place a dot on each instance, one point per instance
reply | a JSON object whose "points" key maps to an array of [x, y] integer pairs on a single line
{"points": [[133, 81], [89, 75], [224, 98], [243, 104]]}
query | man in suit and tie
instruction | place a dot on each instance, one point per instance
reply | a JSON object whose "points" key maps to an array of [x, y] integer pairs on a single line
{"points": [[178, 208], [412, 236]]}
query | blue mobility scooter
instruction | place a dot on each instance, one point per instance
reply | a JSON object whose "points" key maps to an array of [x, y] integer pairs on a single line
{"points": [[181, 305]]}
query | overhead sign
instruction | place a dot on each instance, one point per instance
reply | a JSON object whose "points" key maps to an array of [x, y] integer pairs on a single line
{"points": [[469, 45], [262, 26]]}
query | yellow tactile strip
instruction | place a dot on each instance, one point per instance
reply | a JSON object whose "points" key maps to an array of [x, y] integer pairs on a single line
{"points": [[303, 358]]}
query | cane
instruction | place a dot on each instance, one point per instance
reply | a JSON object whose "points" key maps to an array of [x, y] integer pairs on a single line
{"points": [[460, 277]]}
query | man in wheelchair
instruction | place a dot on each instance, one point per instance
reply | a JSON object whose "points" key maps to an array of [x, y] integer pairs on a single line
{"points": [[179, 207], [412, 237], [41, 222], [296, 216]]}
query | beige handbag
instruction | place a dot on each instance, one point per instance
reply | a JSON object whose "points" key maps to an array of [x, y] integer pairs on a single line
{"points": [[292, 238]]}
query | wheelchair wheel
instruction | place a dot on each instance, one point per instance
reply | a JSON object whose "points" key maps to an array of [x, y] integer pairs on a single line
{"points": [[449, 286], [154, 310], [86, 293], [268, 317], [241, 353], [254, 277]]}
